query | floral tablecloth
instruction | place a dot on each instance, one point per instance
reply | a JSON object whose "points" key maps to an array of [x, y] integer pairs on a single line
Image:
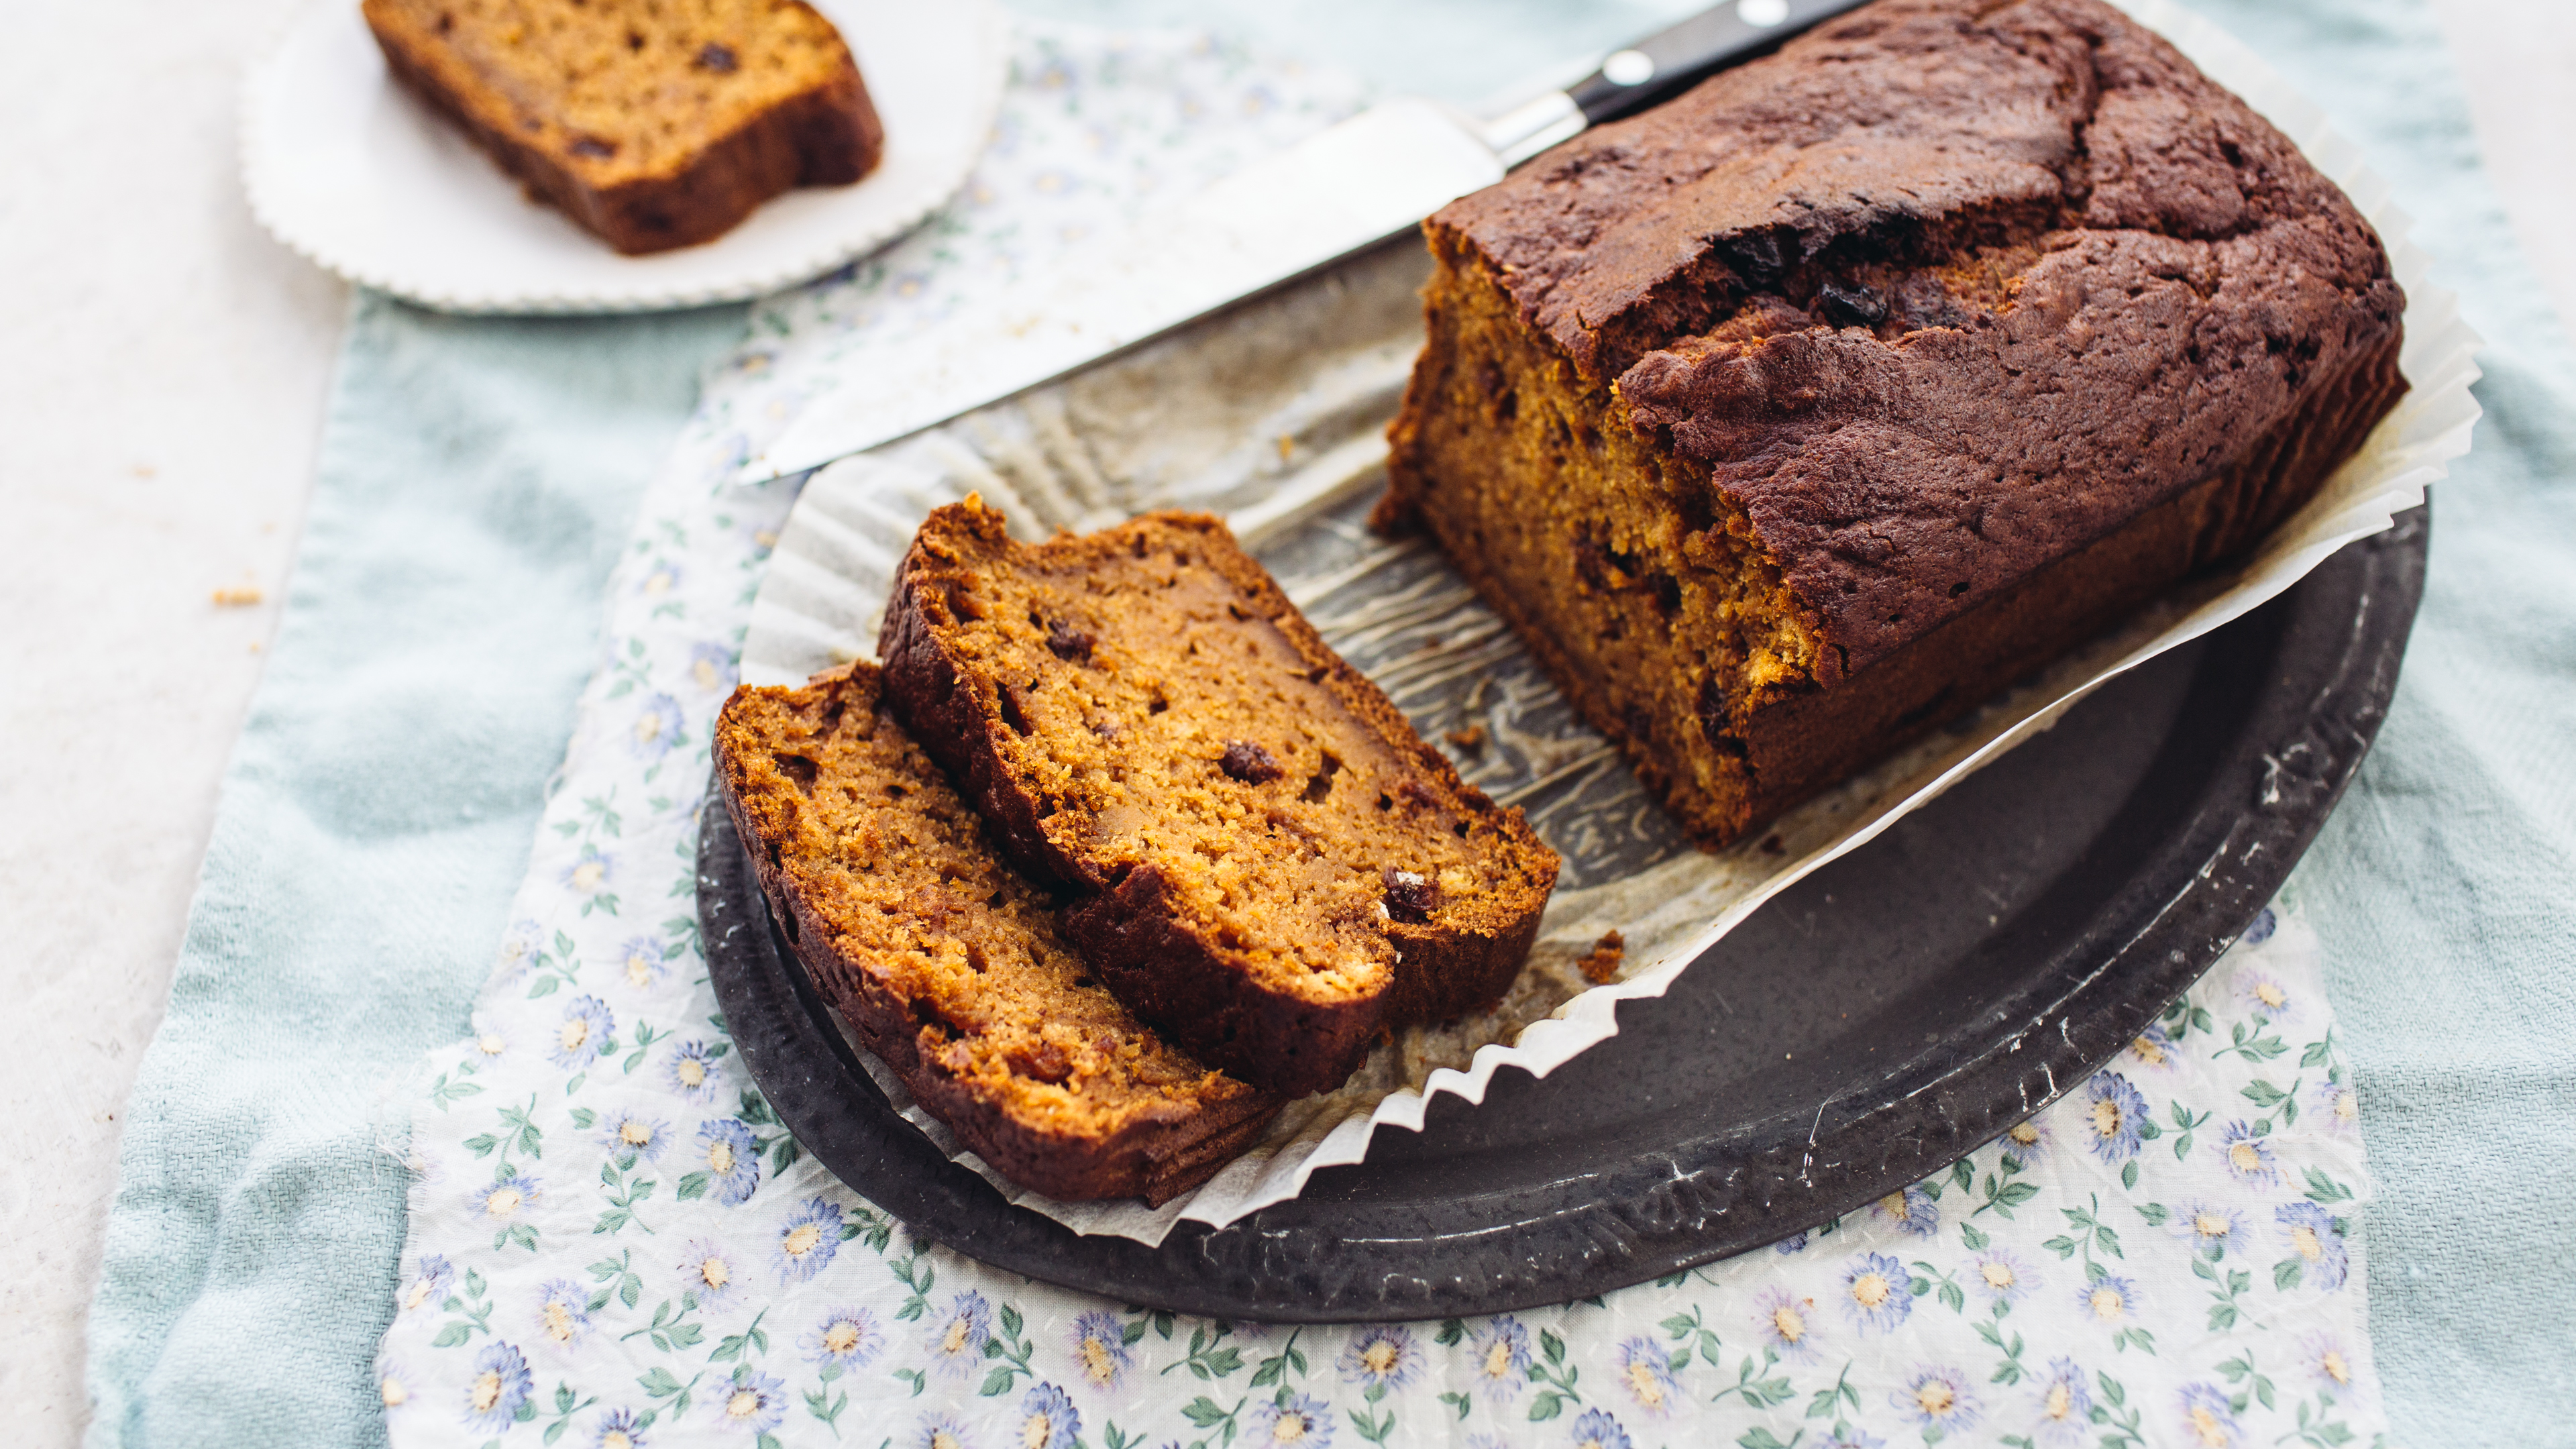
{"points": [[611, 1238]]}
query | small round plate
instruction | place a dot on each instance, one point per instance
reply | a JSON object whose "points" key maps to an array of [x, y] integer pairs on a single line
{"points": [[355, 175], [1862, 1031]]}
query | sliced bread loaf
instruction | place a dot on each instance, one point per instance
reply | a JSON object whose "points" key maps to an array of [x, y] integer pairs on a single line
{"points": [[655, 125], [1274, 868], [949, 963]]}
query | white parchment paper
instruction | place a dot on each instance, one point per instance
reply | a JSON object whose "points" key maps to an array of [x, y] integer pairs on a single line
{"points": [[1273, 415]]}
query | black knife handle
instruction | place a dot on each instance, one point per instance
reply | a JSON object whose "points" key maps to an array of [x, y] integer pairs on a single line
{"points": [[1670, 61]]}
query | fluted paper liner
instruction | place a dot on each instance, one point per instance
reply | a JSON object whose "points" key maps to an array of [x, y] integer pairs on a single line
{"points": [[1274, 415]]}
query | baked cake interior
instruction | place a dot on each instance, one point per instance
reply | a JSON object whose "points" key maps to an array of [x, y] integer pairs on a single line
{"points": [[896, 866], [632, 92], [1166, 720]]}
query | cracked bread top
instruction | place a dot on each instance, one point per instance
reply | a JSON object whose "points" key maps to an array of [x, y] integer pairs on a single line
{"points": [[1941, 291]]}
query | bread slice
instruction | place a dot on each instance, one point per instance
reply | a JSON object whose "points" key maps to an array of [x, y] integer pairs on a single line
{"points": [[655, 125], [949, 964], [1274, 867]]}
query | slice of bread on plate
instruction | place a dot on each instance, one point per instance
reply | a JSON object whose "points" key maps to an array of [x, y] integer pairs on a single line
{"points": [[654, 126]]}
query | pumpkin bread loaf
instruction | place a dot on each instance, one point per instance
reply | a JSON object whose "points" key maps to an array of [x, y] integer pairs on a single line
{"points": [[950, 965], [654, 123], [1272, 867], [1805, 412]]}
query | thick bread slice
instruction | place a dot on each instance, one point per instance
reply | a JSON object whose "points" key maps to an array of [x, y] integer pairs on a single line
{"points": [[1276, 868], [949, 964], [655, 126]]}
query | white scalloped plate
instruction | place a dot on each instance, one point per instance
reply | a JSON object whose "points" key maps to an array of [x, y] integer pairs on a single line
{"points": [[359, 178]]}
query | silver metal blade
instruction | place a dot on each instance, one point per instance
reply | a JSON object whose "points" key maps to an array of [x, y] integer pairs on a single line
{"points": [[1362, 181]]}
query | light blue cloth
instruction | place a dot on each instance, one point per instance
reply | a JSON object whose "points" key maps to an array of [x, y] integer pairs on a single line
{"points": [[477, 476], [476, 481]]}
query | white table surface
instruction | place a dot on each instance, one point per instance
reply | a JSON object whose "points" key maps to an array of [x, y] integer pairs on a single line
{"points": [[161, 386]]}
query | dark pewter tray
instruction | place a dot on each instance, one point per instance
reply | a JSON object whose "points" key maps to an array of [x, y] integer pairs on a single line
{"points": [[1868, 1027]]}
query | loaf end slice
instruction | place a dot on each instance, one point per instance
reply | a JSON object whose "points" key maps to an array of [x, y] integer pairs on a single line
{"points": [[950, 964], [654, 127], [1274, 867]]}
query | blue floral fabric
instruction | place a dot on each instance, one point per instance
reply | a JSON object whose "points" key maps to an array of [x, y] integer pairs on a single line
{"points": [[611, 1237]]}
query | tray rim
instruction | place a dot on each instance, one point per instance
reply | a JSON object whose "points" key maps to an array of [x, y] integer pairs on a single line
{"points": [[1288, 1263]]}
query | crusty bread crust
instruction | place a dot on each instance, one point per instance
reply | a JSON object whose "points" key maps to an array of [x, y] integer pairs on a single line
{"points": [[825, 135], [1127, 923], [1154, 1149]]}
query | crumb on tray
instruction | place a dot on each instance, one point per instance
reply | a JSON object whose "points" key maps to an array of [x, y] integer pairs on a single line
{"points": [[1600, 965]]}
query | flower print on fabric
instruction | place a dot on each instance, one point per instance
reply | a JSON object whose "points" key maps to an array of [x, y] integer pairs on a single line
{"points": [[501, 1200], [1848, 1436], [2260, 929], [1878, 1293], [941, 1431], [2263, 995], [2317, 1239], [429, 1285], [1645, 1370], [1595, 1429], [393, 1387], [1787, 1324], [489, 1044], [1794, 1243], [630, 1136], [2208, 1418], [642, 960], [619, 1429], [807, 1240], [731, 1157], [1380, 1356], [591, 872], [2113, 1111], [2152, 1050], [2337, 1108], [847, 1338], [1304, 1420], [519, 946], [587, 1022], [714, 668], [2001, 1276], [500, 1384], [957, 1340], [2247, 1151], [2065, 1406], [2026, 1142], [1939, 1398], [2323, 1356], [563, 1314], [2110, 1300], [1500, 1353], [1100, 1348], [1911, 1211], [1048, 1419], [753, 1403], [2213, 1229], [664, 577], [708, 1272], [657, 727], [694, 1075]]}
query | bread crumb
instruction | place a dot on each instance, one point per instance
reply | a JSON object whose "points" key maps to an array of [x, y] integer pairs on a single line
{"points": [[144, 470], [1471, 739], [237, 598], [1771, 846], [1287, 446], [1601, 965]]}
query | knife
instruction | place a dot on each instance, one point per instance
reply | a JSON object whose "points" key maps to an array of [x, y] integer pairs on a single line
{"points": [[1344, 189]]}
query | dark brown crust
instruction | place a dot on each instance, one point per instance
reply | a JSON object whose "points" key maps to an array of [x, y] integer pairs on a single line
{"points": [[1187, 987], [2190, 278], [1802, 744], [825, 136], [1976, 324], [1152, 1159]]}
